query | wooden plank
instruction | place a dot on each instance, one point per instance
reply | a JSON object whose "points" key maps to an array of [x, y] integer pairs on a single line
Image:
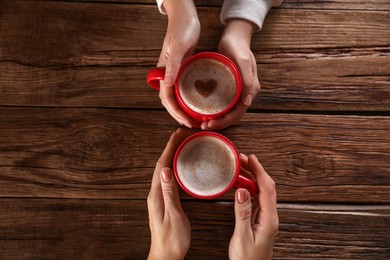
{"points": [[100, 65], [110, 153], [113, 229], [347, 79], [331, 231], [291, 4], [71, 33], [105, 86], [323, 29], [337, 4], [342, 79]]}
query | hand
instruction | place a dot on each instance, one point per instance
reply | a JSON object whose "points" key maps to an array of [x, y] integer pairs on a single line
{"points": [[256, 224], [235, 44], [169, 225], [179, 43]]}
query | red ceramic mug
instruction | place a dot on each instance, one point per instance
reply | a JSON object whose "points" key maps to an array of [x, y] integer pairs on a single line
{"points": [[208, 85], [207, 165]]}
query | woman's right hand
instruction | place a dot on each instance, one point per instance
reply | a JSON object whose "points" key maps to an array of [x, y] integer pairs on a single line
{"points": [[256, 224], [180, 41]]}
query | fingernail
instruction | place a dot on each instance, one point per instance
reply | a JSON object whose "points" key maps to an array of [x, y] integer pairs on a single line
{"points": [[242, 196], [243, 155], [203, 126], [166, 175], [248, 100], [187, 124], [179, 120]]}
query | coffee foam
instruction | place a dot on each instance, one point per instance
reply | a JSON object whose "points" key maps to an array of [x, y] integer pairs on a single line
{"points": [[219, 86], [206, 165]]}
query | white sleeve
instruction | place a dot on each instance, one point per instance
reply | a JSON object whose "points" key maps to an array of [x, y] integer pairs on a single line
{"points": [[161, 7], [251, 10]]}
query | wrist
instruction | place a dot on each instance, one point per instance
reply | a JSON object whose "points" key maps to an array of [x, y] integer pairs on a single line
{"points": [[180, 9], [239, 29], [155, 254]]}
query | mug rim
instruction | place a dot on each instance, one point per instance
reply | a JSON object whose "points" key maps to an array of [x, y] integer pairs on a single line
{"points": [[228, 143], [233, 69]]}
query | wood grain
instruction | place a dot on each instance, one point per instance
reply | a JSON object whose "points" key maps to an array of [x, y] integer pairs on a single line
{"points": [[337, 4], [105, 65], [71, 33], [110, 153], [118, 229], [289, 4], [338, 80], [80, 131]]}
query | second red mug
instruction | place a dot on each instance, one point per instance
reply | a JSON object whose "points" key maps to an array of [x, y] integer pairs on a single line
{"points": [[207, 165], [208, 85]]}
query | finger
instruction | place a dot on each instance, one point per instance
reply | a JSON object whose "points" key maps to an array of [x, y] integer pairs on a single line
{"points": [[244, 167], [155, 205], [267, 195], [243, 213], [251, 85], [175, 140], [167, 96], [256, 84], [167, 155], [255, 209], [244, 161], [155, 198], [247, 174], [172, 66], [170, 191], [229, 119], [162, 60]]}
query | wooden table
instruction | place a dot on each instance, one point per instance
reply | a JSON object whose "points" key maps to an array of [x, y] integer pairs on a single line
{"points": [[80, 131]]}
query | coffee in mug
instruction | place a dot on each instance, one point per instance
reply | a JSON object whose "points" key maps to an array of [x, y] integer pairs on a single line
{"points": [[207, 165], [207, 86]]}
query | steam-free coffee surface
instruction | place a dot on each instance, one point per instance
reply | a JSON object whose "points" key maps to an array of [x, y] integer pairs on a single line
{"points": [[206, 165], [207, 86]]}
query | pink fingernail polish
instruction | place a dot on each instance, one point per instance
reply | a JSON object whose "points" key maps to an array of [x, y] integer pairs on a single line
{"points": [[248, 100], [242, 196], [166, 175]]}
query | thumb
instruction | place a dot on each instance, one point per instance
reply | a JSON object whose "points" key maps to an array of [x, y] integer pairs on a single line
{"points": [[251, 87], [243, 212], [169, 190], [172, 68], [251, 84]]}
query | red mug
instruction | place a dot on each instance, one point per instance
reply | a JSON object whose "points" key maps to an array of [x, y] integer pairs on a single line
{"points": [[203, 87], [207, 165]]}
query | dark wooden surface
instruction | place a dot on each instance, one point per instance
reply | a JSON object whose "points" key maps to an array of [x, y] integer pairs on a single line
{"points": [[80, 131]]}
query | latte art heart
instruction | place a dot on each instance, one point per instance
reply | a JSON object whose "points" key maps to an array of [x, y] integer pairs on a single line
{"points": [[206, 89], [207, 86]]}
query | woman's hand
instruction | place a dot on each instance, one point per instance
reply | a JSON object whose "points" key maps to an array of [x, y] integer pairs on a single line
{"points": [[169, 226], [256, 224], [235, 44], [180, 41]]}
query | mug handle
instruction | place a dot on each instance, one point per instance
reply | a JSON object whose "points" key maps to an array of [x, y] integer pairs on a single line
{"points": [[154, 76], [244, 182]]}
